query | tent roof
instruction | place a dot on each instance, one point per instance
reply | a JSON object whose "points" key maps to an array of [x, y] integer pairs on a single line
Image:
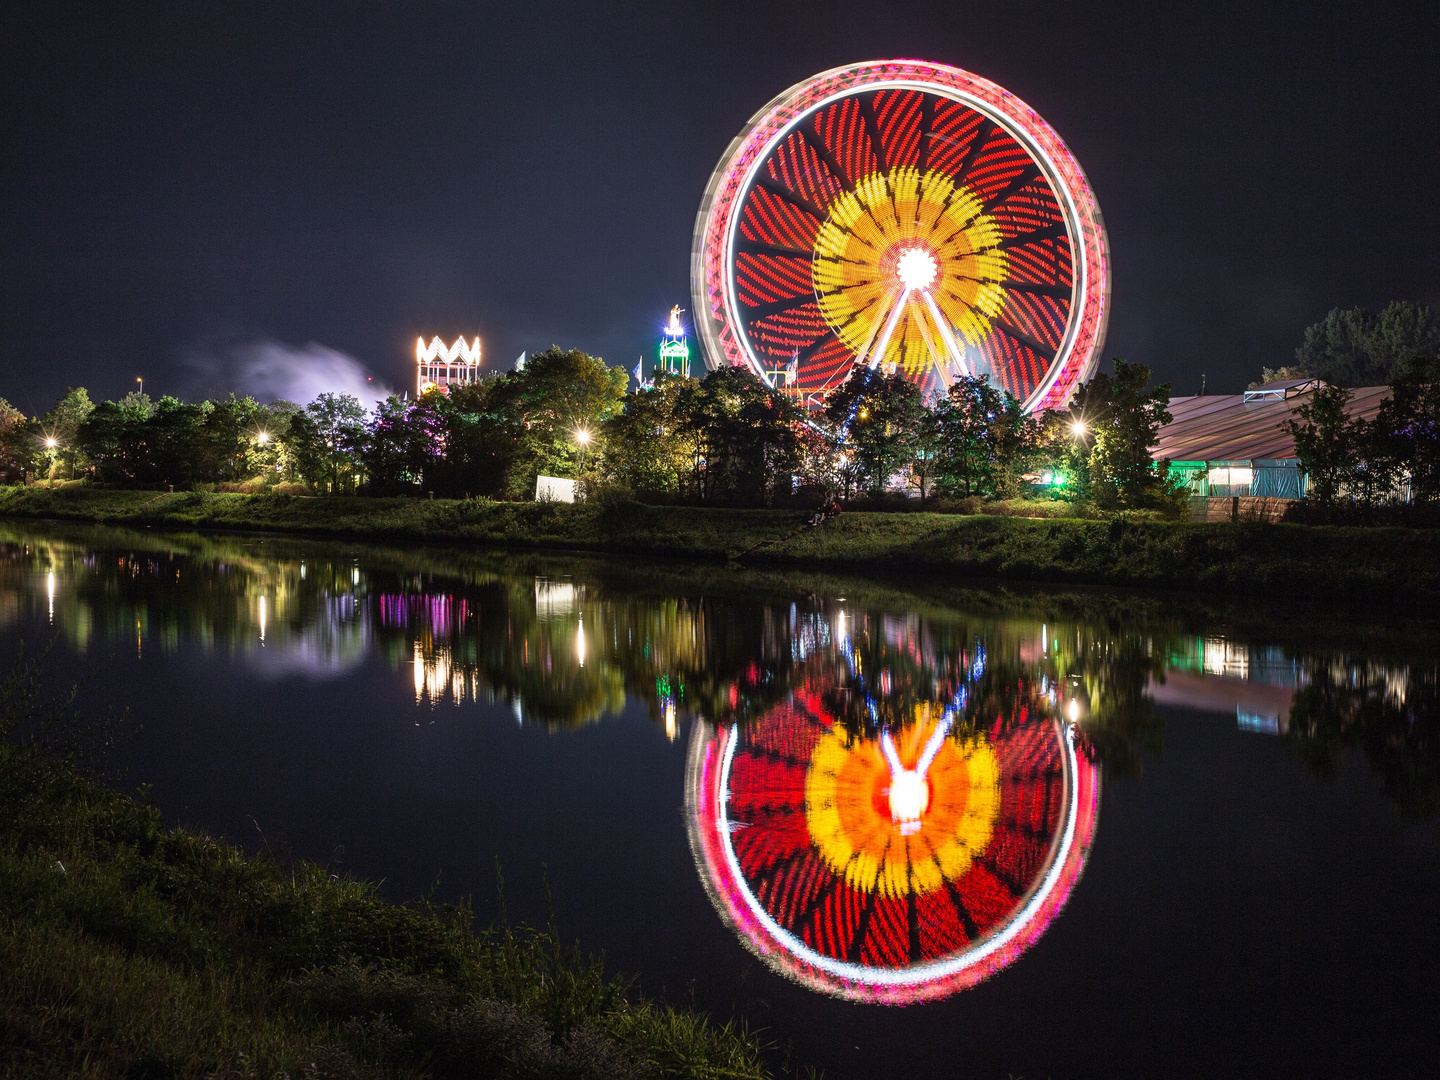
{"points": [[1226, 427]]}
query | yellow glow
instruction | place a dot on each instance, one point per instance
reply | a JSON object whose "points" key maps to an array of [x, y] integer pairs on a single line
{"points": [[1077, 428], [850, 808], [582, 437], [50, 442], [908, 264], [671, 727], [1073, 710], [437, 352], [580, 643], [263, 438]]}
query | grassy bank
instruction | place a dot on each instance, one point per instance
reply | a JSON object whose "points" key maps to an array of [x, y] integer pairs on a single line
{"points": [[130, 950], [1375, 565]]}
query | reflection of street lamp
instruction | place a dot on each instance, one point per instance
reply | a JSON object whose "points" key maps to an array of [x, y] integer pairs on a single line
{"points": [[582, 438]]}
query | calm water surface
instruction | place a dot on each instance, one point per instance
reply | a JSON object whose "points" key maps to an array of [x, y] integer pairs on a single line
{"points": [[911, 830]]}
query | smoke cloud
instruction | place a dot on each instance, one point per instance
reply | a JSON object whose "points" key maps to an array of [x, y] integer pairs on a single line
{"points": [[270, 369]]}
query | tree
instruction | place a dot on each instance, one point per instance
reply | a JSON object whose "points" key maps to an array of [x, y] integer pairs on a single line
{"points": [[988, 441], [1327, 443], [740, 436], [927, 453], [1355, 347], [646, 448], [327, 439], [17, 444], [478, 441], [877, 418], [61, 425], [1116, 420], [559, 393], [1406, 433]]}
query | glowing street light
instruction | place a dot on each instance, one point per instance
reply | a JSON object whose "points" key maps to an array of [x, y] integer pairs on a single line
{"points": [[582, 439], [263, 438], [141, 381], [1077, 428], [51, 443]]}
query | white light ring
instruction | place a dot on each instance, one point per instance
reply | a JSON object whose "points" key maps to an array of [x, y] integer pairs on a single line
{"points": [[759, 931], [717, 221]]}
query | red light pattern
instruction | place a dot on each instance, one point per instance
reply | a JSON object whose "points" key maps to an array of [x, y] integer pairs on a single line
{"points": [[763, 210], [890, 948]]}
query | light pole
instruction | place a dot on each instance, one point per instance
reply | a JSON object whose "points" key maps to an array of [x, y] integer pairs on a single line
{"points": [[582, 439], [50, 444], [141, 381]]}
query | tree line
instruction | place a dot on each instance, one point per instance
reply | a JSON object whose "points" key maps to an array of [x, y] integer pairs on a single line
{"points": [[724, 439]]}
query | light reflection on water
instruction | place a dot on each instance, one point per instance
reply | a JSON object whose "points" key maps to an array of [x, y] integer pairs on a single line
{"points": [[889, 797]]}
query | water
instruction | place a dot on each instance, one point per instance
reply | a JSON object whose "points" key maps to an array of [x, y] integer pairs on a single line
{"points": [[1061, 833]]}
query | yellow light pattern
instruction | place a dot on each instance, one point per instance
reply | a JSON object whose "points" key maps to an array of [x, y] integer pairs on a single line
{"points": [[847, 809], [872, 235]]}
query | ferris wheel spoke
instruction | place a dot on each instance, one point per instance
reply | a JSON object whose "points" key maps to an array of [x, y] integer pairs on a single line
{"points": [[935, 357], [872, 129], [927, 131], [982, 136], [884, 340], [795, 199], [1059, 292], [1035, 345], [942, 324], [756, 312], [760, 247], [1046, 232], [875, 324], [827, 157], [1023, 177]]}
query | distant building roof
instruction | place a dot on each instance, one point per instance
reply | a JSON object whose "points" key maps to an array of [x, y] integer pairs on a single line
{"points": [[1238, 427]]}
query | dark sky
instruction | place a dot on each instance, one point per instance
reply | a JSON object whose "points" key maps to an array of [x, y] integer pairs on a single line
{"points": [[184, 179]]}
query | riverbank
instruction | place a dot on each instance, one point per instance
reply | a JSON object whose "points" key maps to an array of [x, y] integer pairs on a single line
{"points": [[1392, 566], [133, 950]]}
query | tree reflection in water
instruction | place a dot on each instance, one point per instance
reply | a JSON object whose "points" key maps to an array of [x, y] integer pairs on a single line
{"points": [[565, 643], [891, 792], [1391, 713]]}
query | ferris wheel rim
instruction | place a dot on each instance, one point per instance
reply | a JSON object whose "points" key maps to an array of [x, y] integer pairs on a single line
{"points": [[733, 179], [710, 831]]}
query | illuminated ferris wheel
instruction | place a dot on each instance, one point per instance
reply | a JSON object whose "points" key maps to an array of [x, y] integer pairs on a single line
{"points": [[895, 869], [902, 216]]}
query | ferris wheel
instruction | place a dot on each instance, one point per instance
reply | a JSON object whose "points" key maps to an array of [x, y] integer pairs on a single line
{"points": [[891, 870], [903, 217]]}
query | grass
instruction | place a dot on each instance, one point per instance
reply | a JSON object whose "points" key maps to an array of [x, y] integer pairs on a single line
{"points": [[132, 950], [1396, 566]]}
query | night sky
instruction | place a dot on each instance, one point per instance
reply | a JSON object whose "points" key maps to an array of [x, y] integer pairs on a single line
{"points": [[184, 183]]}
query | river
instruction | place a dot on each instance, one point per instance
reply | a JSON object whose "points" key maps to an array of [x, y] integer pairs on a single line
{"points": [[909, 828]]}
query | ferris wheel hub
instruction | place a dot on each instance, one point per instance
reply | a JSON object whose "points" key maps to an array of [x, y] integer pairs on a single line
{"points": [[917, 269]]}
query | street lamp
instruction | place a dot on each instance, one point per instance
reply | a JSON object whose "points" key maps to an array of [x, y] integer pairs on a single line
{"points": [[263, 438], [582, 439], [141, 381], [1077, 428]]}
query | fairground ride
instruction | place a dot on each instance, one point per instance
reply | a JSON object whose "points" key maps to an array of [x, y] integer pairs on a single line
{"points": [[905, 217]]}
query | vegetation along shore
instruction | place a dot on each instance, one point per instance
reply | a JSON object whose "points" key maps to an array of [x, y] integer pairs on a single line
{"points": [[136, 950], [1397, 566]]}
